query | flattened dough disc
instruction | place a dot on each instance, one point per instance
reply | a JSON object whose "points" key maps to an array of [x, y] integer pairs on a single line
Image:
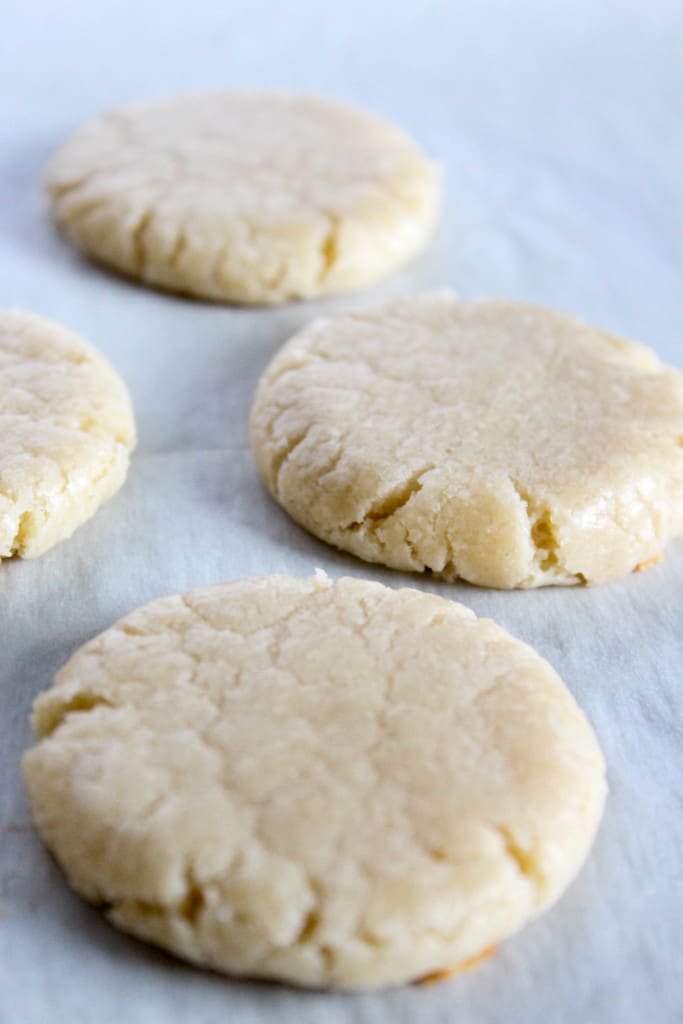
{"points": [[505, 444], [245, 196], [330, 784], [66, 433]]}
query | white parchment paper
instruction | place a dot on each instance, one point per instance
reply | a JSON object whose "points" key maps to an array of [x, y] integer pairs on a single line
{"points": [[560, 128]]}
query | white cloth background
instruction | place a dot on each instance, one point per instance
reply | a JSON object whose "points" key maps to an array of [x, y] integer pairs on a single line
{"points": [[560, 127]]}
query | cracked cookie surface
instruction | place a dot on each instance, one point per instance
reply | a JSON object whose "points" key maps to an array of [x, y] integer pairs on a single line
{"points": [[244, 196], [66, 433], [332, 784], [508, 445]]}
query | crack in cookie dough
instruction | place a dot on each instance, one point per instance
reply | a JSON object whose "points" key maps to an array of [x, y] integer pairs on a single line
{"points": [[505, 444], [396, 500], [244, 196], [333, 784], [524, 861], [545, 543], [66, 437]]}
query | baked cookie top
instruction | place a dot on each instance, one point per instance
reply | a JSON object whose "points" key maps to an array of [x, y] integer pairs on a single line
{"points": [[505, 444]]}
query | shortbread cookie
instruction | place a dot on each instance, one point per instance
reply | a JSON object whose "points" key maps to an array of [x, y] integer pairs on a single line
{"points": [[505, 444], [245, 196], [335, 785], [66, 432]]}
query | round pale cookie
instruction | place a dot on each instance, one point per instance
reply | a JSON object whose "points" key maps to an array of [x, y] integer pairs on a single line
{"points": [[505, 444], [251, 197], [337, 785], [66, 433]]}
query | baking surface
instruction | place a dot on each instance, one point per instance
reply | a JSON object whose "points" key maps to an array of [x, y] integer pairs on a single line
{"points": [[560, 128]]}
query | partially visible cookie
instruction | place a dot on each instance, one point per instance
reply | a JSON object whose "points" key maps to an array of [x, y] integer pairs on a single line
{"points": [[66, 433], [335, 785], [505, 444], [253, 197]]}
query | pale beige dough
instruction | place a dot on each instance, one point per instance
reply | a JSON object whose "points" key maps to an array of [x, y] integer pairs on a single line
{"points": [[250, 197], [505, 444], [332, 784], [66, 433]]}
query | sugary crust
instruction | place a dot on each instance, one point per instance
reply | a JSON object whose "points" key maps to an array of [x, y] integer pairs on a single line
{"points": [[245, 197], [332, 784], [67, 433], [505, 444]]}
